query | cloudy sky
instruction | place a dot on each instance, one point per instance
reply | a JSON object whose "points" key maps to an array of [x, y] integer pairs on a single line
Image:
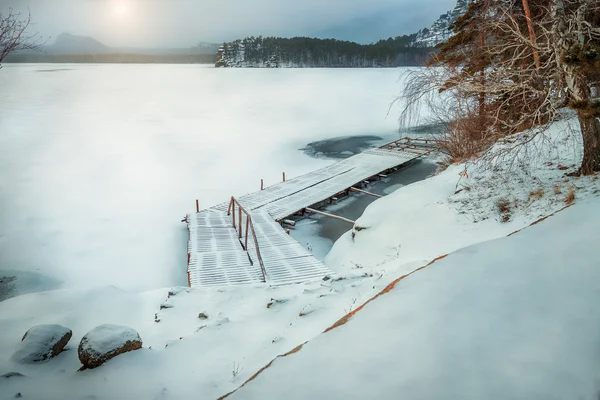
{"points": [[184, 23]]}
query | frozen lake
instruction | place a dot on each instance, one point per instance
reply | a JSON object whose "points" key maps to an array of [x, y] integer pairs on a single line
{"points": [[99, 163]]}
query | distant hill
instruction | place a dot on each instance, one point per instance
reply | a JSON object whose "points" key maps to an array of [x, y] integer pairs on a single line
{"points": [[72, 44], [70, 48]]}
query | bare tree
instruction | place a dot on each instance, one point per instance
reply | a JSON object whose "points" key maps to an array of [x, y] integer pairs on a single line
{"points": [[536, 59], [14, 35]]}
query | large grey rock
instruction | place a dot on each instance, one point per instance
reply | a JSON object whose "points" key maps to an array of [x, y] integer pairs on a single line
{"points": [[105, 342], [41, 343]]}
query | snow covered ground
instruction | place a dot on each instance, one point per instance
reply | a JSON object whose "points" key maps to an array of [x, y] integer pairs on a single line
{"points": [[511, 318], [206, 343]]}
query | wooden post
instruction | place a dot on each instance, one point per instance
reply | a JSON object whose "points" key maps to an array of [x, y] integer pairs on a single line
{"points": [[262, 185], [247, 224], [197, 206], [284, 176], [233, 215], [240, 221]]}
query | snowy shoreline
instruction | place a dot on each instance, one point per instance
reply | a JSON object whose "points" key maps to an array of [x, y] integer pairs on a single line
{"points": [[209, 342], [206, 343]]}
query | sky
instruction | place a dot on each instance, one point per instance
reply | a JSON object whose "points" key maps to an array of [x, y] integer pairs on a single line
{"points": [[185, 23]]}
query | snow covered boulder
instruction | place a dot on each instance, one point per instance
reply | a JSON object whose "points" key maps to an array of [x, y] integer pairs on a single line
{"points": [[41, 343], [105, 342]]}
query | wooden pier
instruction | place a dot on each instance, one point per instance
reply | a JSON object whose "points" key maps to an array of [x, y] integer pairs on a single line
{"points": [[241, 241]]}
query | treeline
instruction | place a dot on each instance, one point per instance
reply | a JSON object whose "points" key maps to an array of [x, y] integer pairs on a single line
{"points": [[330, 53], [116, 58]]}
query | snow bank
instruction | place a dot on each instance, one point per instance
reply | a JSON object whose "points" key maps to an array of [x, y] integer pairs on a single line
{"points": [[459, 206], [515, 317], [184, 356]]}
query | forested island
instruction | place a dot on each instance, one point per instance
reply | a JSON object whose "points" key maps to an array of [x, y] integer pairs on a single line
{"points": [[304, 52]]}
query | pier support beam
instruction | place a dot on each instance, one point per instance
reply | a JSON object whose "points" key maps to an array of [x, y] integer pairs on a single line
{"points": [[312, 210], [353, 189]]}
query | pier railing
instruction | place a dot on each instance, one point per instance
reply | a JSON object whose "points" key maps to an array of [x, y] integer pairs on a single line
{"points": [[249, 226]]}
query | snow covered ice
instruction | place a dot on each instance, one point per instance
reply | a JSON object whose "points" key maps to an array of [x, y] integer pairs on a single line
{"points": [[99, 163]]}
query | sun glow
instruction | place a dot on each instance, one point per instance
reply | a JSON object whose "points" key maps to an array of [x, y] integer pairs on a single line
{"points": [[121, 8]]}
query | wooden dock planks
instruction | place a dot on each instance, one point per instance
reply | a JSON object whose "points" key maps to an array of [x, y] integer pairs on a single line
{"points": [[216, 252]]}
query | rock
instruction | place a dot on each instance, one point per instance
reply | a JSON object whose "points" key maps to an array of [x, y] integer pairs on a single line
{"points": [[105, 342], [166, 305], [202, 316], [41, 343]]}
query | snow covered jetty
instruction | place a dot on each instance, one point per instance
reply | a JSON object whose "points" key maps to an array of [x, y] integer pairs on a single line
{"points": [[241, 241]]}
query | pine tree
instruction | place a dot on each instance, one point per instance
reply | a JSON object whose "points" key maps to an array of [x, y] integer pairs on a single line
{"points": [[521, 62]]}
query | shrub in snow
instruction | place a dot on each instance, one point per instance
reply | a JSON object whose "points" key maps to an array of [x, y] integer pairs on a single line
{"points": [[105, 342], [41, 343], [276, 302], [176, 290], [503, 206]]}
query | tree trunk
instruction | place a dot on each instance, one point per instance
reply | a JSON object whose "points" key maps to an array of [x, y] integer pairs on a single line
{"points": [[590, 131], [536, 56], [568, 35]]}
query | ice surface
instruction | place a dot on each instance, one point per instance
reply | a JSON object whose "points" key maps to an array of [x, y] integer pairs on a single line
{"points": [[99, 163]]}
